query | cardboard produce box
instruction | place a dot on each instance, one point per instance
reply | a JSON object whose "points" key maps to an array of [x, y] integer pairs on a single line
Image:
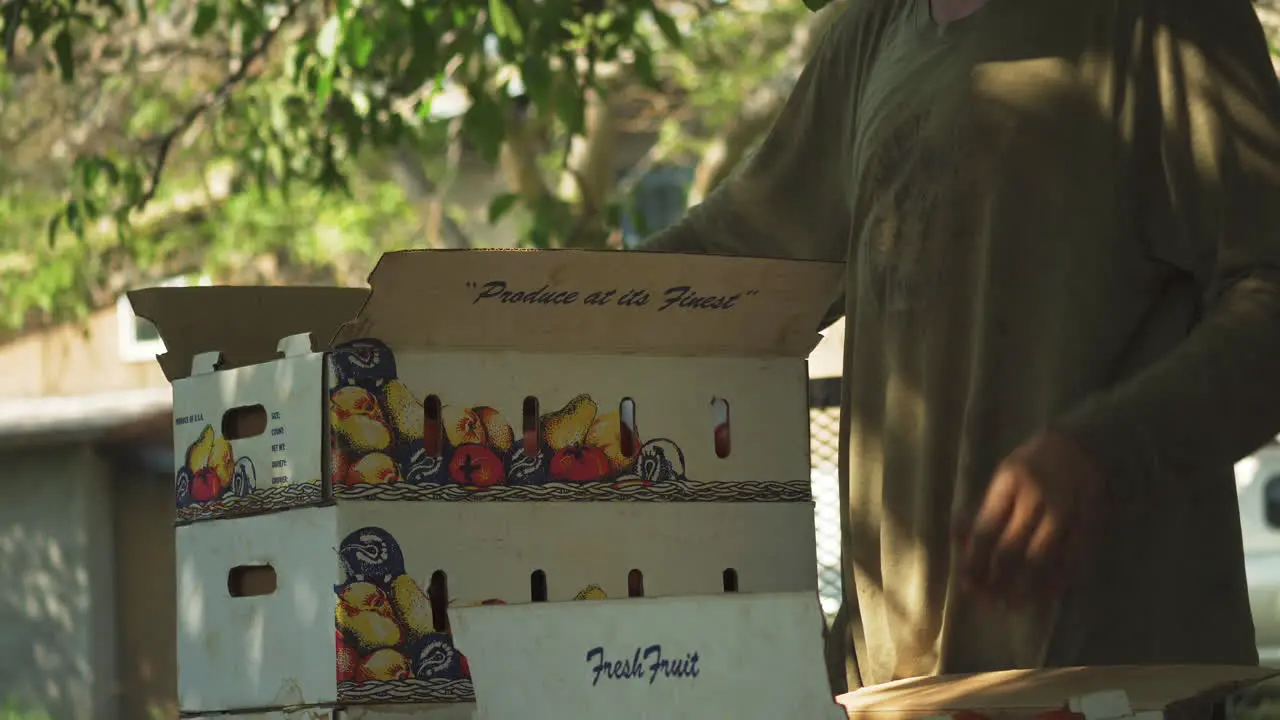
{"points": [[492, 426], [234, 327], [1184, 692], [459, 358], [713, 657]]}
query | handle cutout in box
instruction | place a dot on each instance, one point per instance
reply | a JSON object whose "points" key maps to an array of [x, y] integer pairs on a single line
{"points": [[538, 586], [438, 600], [432, 426], [720, 423], [531, 426], [730, 579], [629, 437], [243, 422], [251, 580], [635, 583]]}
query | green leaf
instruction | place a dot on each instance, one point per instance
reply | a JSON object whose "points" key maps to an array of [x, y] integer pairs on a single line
{"points": [[88, 174], [206, 16], [324, 88], [422, 63], [485, 125], [51, 229], [536, 75], [132, 181], [505, 24], [75, 222], [141, 7], [569, 105], [39, 19], [667, 26], [62, 49], [112, 172], [361, 49], [501, 205], [150, 115], [643, 67]]}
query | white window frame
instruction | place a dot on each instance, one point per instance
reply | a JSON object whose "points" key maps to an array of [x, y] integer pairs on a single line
{"points": [[131, 349]]}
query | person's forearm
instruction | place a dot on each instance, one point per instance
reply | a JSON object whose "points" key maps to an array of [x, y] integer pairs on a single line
{"points": [[1211, 401]]}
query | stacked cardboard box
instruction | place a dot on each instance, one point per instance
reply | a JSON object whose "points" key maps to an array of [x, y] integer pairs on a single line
{"points": [[568, 484], [531, 485]]}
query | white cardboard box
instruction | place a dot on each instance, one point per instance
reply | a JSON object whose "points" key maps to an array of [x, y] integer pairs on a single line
{"points": [[730, 657], [726, 657], [454, 430]]}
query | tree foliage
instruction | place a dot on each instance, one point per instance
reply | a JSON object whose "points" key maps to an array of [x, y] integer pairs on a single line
{"points": [[293, 140]]}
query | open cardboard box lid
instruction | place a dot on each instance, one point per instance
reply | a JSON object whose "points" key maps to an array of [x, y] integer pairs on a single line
{"points": [[597, 302], [244, 324], [549, 301], [1023, 693]]}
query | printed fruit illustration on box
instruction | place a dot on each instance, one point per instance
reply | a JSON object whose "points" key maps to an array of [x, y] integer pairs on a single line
{"points": [[379, 449], [210, 472], [591, 592], [391, 646]]}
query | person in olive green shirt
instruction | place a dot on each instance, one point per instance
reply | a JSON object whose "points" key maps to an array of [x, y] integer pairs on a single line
{"points": [[1061, 226]]}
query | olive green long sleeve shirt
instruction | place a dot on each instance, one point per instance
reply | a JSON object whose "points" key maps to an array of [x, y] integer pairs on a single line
{"points": [[1055, 214]]}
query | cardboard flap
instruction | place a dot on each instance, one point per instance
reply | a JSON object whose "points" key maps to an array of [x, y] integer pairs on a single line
{"points": [[609, 302], [1013, 692], [244, 324], [742, 656]]}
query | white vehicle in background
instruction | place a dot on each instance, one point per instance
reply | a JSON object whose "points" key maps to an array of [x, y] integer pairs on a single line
{"points": [[1258, 486]]}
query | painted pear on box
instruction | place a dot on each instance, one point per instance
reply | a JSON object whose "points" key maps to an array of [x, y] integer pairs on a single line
{"points": [[365, 613], [404, 410], [354, 415]]}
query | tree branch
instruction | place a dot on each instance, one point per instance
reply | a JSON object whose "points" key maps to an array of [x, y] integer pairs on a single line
{"points": [[164, 143], [518, 158], [589, 165], [589, 178]]}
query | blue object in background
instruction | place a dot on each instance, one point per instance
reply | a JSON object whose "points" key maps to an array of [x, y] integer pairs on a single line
{"points": [[658, 201]]}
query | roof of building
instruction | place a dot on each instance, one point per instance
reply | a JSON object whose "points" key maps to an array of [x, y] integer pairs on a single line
{"points": [[82, 418]]}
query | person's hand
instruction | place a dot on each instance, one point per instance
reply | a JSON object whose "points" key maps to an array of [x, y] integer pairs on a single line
{"points": [[1033, 529]]}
